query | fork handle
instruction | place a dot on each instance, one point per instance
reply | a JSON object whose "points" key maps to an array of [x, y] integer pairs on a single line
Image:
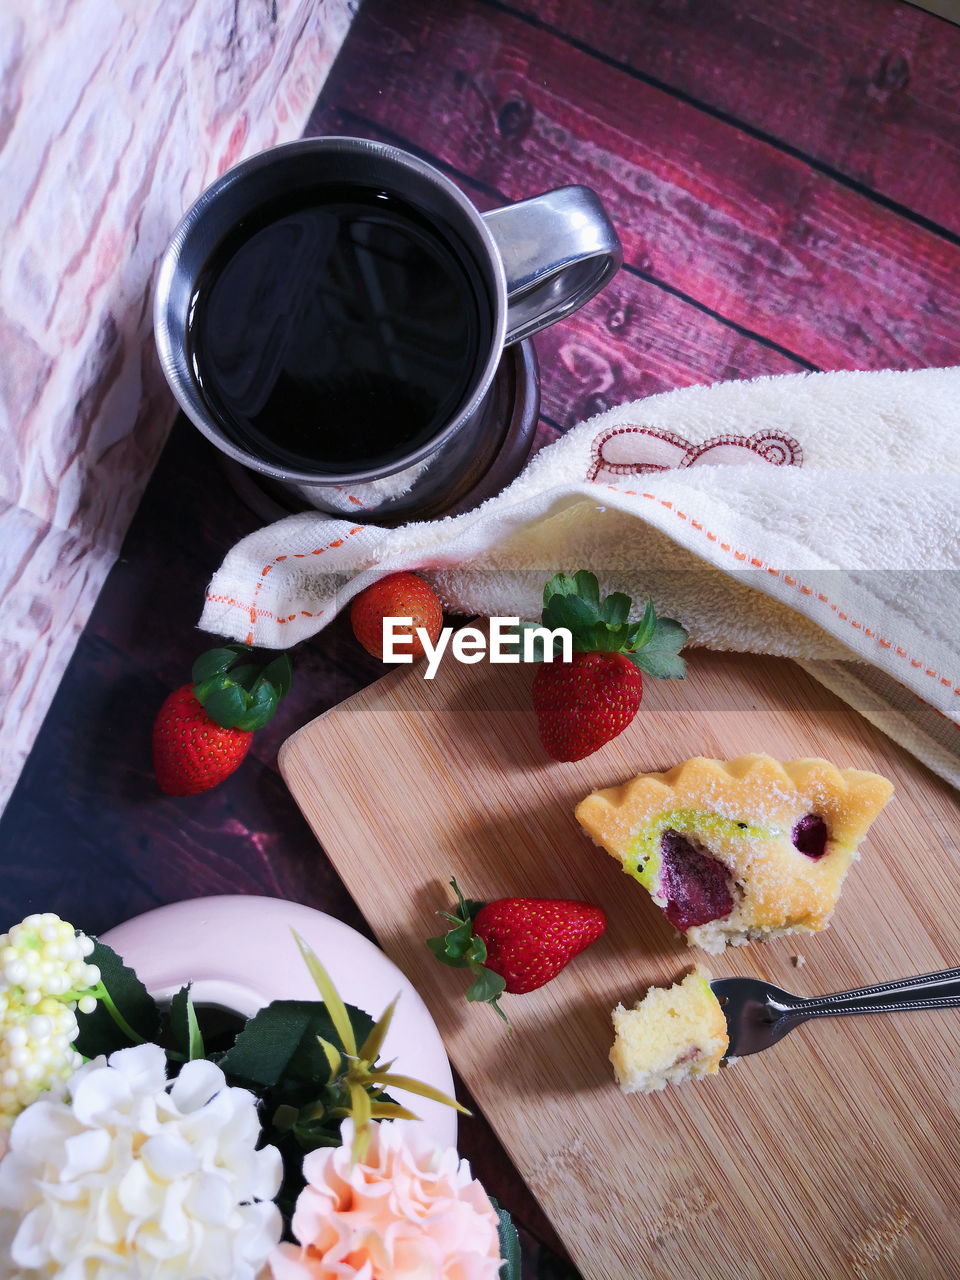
{"points": [[939, 990]]}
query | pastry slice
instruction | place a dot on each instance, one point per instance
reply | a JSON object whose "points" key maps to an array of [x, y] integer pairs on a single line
{"points": [[738, 849], [671, 1035]]}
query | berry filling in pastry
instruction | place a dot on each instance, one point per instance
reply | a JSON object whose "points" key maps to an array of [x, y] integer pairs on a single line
{"points": [[696, 886]]}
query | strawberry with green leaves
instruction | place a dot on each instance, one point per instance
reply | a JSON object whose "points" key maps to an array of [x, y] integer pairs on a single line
{"points": [[584, 703], [203, 730], [515, 944]]}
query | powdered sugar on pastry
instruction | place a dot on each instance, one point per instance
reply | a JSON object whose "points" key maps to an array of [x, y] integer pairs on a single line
{"points": [[739, 849]]}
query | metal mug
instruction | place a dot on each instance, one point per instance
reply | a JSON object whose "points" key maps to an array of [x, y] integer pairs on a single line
{"points": [[539, 260]]}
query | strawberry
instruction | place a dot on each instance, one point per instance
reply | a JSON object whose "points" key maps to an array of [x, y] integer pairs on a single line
{"points": [[583, 703], [399, 595], [515, 944], [203, 730]]}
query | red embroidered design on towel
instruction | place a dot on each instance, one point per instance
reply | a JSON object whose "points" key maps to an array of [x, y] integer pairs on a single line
{"points": [[628, 450]]}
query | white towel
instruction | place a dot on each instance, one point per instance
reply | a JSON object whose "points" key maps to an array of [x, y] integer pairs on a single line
{"points": [[815, 516]]}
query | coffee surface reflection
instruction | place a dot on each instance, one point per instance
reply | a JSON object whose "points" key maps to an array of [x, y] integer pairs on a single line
{"points": [[337, 329]]}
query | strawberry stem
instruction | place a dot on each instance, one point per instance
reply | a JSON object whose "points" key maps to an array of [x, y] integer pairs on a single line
{"points": [[603, 625], [461, 948]]}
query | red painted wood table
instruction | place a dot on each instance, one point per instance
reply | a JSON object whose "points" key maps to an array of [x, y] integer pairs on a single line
{"points": [[785, 176]]}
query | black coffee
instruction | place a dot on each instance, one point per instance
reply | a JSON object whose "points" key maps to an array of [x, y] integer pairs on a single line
{"points": [[337, 330]]}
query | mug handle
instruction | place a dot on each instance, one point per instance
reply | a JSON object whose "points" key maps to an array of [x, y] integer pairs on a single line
{"points": [[558, 250]]}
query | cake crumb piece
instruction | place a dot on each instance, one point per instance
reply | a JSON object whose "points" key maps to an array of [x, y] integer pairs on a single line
{"points": [[671, 1035], [798, 961]]}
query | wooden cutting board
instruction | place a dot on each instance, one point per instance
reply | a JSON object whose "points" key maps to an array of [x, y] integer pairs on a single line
{"points": [[836, 1153]]}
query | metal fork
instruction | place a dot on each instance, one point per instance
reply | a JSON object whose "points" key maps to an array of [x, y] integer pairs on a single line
{"points": [[759, 1014]]}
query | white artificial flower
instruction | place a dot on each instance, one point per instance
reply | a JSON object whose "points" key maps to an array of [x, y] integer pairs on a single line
{"points": [[408, 1210], [36, 1053], [44, 955], [129, 1176], [44, 976]]}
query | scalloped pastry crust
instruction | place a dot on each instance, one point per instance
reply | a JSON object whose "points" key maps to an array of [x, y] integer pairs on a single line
{"points": [[743, 812]]}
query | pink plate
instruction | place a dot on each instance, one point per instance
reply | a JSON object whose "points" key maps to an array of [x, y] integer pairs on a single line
{"points": [[239, 953]]}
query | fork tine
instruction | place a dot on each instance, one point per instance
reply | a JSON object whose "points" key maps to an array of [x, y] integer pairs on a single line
{"points": [[754, 1011]]}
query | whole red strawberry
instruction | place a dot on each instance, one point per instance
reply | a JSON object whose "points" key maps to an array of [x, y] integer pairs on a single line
{"points": [[515, 944], [190, 752], [203, 730], [584, 702], [399, 595]]}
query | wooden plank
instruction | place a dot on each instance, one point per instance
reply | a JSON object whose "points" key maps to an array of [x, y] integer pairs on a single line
{"points": [[632, 340], [740, 226], [869, 87], [949, 9], [834, 1153]]}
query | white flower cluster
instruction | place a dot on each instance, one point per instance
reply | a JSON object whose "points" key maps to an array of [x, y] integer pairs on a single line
{"points": [[132, 1176], [44, 956], [44, 976]]}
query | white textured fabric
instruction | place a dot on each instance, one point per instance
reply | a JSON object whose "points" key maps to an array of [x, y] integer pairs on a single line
{"points": [[815, 516]]}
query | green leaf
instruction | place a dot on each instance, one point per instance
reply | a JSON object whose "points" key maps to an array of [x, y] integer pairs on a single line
{"points": [[558, 585], [285, 1117], [262, 703], [246, 696], [587, 588], [333, 1056], [652, 644], [360, 1107], [487, 985], [662, 666], [310, 1138], [462, 953], [660, 656], [391, 1111], [509, 1244], [616, 609], [184, 1025], [457, 941], [99, 1032], [179, 1022], [215, 661], [225, 706], [371, 1046], [604, 626], [279, 673], [604, 638], [195, 1043], [642, 633], [309, 1063], [263, 1049], [246, 675], [331, 996], [570, 612], [439, 948], [219, 680]]}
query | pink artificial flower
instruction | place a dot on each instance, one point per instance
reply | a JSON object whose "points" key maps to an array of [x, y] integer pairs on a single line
{"points": [[408, 1209]]}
